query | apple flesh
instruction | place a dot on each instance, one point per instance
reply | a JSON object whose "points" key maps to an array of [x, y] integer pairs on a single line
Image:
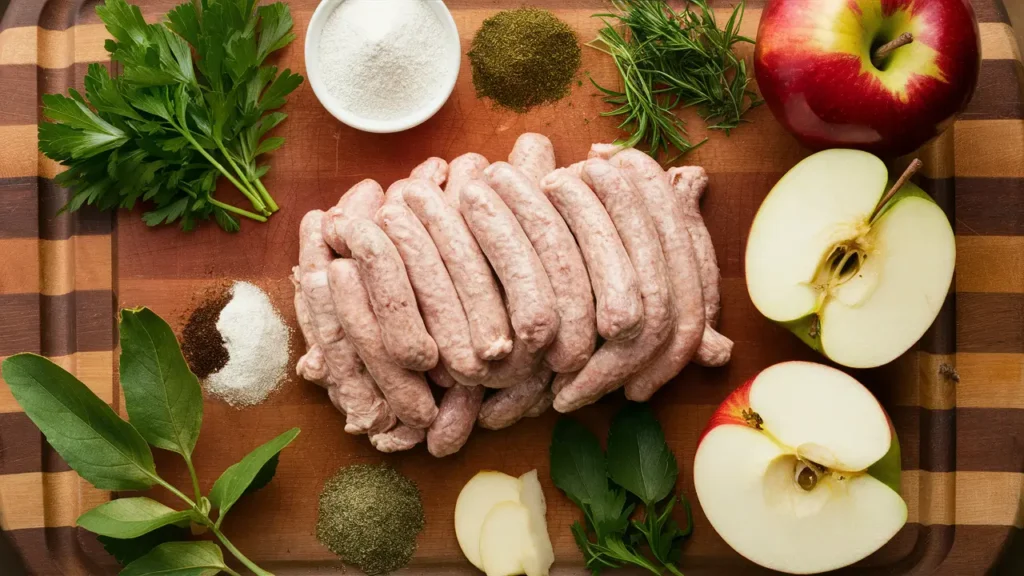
{"points": [[860, 291], [816, 67], [478, 497], [788, 470]]}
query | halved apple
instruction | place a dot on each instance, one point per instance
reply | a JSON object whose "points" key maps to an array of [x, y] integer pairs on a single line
{"points": [[859, 282], [799, 470], [503, 539]]}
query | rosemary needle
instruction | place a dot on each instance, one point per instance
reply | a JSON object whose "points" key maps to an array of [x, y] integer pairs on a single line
{"points": [[668, 59]]}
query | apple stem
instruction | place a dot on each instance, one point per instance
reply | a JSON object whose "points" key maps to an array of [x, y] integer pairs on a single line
{"points": [[885, 49], [915, 165]]}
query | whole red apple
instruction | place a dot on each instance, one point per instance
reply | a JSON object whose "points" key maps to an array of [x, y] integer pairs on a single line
{"points": [[884, 76]]}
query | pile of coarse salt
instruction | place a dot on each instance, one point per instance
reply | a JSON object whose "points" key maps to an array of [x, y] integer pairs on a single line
{"points": [[257, 341], [384, 59]]}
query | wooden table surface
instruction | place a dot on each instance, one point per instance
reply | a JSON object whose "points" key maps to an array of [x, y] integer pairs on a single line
{"points": [[62, 278]]}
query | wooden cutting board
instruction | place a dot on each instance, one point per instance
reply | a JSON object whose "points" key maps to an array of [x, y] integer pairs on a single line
{"points": [[63, 277]]}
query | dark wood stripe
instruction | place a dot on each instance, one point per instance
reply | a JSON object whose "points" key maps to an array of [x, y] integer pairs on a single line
{"points": [[990, 322], [23, 448], [990, 440], [48, 14], [990, 206], [1000, 85], [63, 550], [29, 210], [57, 325], [941, 336], [27, 82], [991, 10]]}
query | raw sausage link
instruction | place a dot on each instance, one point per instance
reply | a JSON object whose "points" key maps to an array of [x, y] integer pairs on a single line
{"points": [[399, 438], [512, 369], [620, 311], [314, 253], [311, 366], [396, 192], [604, 151], [440, 376], [562, 261], [651, 181], [438, 301], [534, 155], [527, 287], [455, 420], [542, 404], [352, 388], [461, 170], [361, 201], [689, 183], [407, 392], [394, 302], [506, 407], [478, 292], [610, 366], [434, 169]]}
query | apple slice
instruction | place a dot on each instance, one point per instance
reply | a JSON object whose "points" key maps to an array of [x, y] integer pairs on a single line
{"points": [[788, 471], [479, 496], [859, 285], [504, 539], [540, 556]]}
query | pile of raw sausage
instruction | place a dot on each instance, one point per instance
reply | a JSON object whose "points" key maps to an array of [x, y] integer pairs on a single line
{"points": [[512, 286]]}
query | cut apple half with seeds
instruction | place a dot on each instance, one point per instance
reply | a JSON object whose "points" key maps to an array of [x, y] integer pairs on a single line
{"points": [[798, 470], [858, 281]]}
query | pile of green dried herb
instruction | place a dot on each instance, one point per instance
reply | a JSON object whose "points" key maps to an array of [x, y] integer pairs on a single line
{"points": [[670, 58], [524, 57], [369, 516]]}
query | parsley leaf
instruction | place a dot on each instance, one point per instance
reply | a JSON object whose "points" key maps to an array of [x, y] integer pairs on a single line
{"points": [[193, 102], [638, 457]]}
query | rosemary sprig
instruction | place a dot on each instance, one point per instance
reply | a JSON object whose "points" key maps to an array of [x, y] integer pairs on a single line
{"points": [[668, 59]]}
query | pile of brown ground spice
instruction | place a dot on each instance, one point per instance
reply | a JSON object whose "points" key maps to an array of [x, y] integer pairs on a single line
{"points": [[524, 57], [201, 342]]}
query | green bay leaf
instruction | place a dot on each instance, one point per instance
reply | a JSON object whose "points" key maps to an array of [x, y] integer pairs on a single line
{"points": [[105, 450], [162, 396], [578, 465], [130, 517], [639, 460], [178, 559], [235, 481]]}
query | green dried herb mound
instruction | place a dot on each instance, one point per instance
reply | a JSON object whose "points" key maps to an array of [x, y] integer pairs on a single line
{"points": [[524, 57], [370, 516]]}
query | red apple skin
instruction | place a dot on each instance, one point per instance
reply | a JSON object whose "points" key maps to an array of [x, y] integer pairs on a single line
{"points": [[829, 98], [731, 410]]}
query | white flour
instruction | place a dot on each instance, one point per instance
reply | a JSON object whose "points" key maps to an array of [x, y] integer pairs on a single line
{"points": [[257, 342], [384, 59]]}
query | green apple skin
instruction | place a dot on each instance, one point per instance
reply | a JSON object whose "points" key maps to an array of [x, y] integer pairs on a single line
{"points": [[808, 328], [813, 63]]}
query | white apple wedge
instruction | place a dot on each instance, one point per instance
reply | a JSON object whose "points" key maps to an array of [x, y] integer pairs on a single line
{"points": [[504, 539], [857, 283], [538, 559], [478, 497], [798, 470]]}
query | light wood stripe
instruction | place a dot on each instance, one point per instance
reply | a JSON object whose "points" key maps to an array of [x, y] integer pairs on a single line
{"points": [[56, 267], [990, 381], [45, 499], [998, 42], [989, 148], [94, 369], [963, 498], [921, 381], [929, 497], [990, 264]]}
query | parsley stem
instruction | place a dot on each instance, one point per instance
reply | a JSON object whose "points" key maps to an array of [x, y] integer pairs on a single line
{"points": [[256, 202], [237, 553], [238, 211], [230, 571], [266, 195], [672, 568], [238, 171]]}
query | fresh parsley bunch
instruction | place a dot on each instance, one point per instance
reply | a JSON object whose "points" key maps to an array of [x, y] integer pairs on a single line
{"points": [[638, 469], [165, 410], [194, 101]]}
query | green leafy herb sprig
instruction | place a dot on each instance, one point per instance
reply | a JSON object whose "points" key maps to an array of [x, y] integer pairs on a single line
{"points": [[165, 410], [638, 469], [194, 101], [669, 58]]}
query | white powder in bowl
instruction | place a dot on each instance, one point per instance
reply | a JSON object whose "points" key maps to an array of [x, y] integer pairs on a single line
{"points": [[385, 59], [257, 341]]}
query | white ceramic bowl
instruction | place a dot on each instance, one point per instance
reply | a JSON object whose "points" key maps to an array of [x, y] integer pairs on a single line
{"points": [[312, 50]]}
